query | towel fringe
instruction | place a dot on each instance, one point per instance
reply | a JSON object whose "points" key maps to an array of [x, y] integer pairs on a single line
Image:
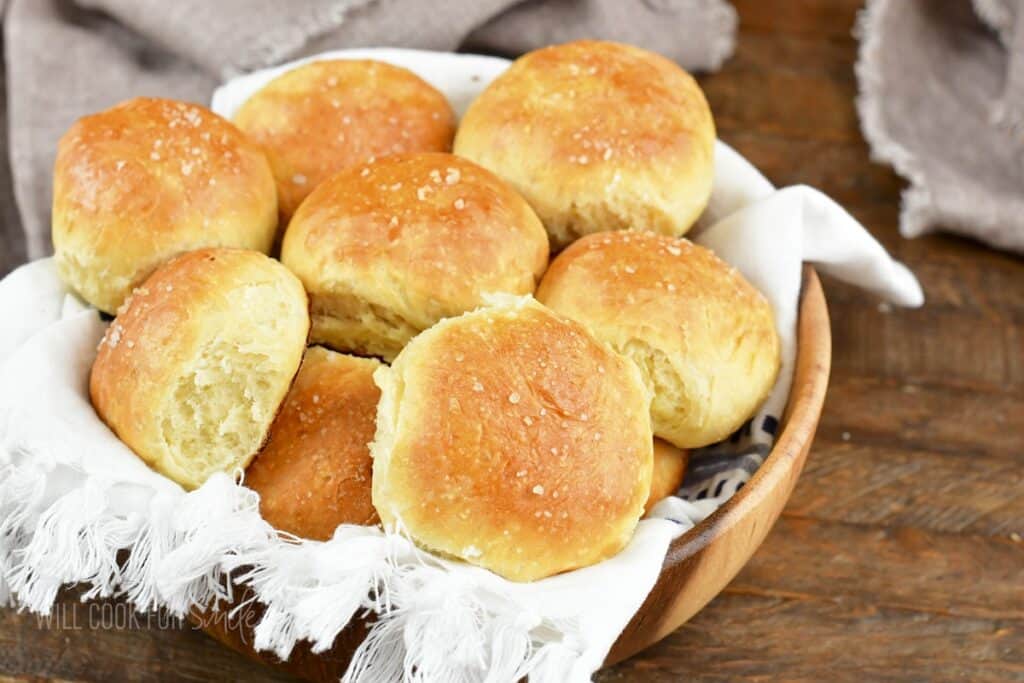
{"points": [[191, 551]]}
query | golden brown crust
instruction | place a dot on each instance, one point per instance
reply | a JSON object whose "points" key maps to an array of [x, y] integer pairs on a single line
{"points": [[669, 470], [326, 115], [512, 439], [389, 248], [704, 337], [193, 369], [314, 472], [597, 136], [149, 179]]}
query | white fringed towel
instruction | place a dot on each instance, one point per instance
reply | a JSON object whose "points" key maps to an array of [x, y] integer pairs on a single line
{"points": [[72, 495]]}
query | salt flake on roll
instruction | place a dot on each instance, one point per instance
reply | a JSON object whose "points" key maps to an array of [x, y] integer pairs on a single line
{"points": [[329, 114], [314, 472], [510, 438], [194, 368], [597, 136], [387, 249], [147, 180], [704, 338]]}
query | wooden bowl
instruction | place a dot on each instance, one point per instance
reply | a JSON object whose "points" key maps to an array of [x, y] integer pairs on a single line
{"points": [[698, 564]]}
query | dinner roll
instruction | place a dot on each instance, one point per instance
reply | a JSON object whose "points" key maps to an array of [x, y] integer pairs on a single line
{"points": [[703, 336], [597, 136], [149, 179], [193, 369], [669, 470], [326, 115], [512, 439], [314, 473], [387, 249]]}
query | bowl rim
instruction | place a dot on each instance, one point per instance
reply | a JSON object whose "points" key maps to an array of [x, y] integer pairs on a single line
{"points": [[694, 570]]}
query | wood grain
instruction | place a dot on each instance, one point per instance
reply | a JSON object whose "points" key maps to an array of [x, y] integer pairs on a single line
{"points": [[889, 486], [896, 558], [916, 416], [892, 567], [750, 637]]}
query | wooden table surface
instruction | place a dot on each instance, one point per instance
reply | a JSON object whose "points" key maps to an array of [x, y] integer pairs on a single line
{"points": [[899, 556]]}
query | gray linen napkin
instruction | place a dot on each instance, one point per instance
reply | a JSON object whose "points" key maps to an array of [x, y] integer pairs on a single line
{"points": [[942, 100], [67, 58]]}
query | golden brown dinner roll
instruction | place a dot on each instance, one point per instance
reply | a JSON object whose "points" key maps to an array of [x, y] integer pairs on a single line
{"points": [[511, 438], [597, 136], [314, 473], [669, 469], [149, 179], [704, 338], [193, 369], [326, 115], [387, 249]]}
